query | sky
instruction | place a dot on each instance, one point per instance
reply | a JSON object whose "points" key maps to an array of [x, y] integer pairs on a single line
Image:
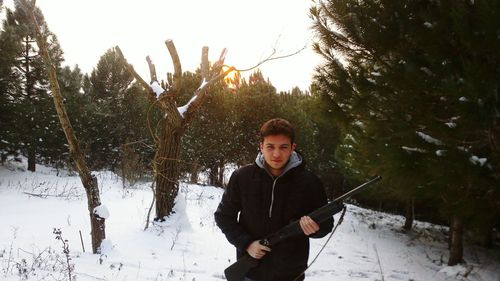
{"points": [[368, 245], [250, 30]]}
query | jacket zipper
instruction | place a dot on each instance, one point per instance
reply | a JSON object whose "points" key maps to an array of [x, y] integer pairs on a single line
{"points": [[272, 197], [272, 192]]}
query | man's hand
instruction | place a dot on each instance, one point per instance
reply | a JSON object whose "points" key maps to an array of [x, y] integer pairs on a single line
{"points": [[256, 250], [308, 225]]}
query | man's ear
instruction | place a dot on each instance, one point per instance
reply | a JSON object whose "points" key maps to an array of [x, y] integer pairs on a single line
{"points": [[261, 146], [294, 146]]}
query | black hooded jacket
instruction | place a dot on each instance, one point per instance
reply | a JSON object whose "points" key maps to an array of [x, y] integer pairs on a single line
{"points": [[256, 204]]}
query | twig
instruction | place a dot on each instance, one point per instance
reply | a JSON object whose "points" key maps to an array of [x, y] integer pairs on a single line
{"points": [[69, 266], [151, 94], [379, 264], [39, 195], [151, 206], [81, 240], [272, 57]]}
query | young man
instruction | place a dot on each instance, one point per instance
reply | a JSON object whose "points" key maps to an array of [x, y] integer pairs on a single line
{"points": [[263, 197]]}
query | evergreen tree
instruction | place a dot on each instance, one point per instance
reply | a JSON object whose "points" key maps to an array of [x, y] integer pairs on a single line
{"points": [[417, 97], [9, 86], [107, 88], [256, 102], [31, 101], [208, 144]]}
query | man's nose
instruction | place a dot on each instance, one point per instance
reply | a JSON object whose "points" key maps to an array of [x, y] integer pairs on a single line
{"points": [[276, 153]]}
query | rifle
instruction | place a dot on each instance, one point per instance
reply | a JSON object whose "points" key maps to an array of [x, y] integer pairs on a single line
{"points": [[238, 270]]}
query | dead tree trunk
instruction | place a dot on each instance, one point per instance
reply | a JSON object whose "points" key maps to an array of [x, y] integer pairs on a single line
{"points": [[167, 167], [456, 241], [89, 182], [166, 162]]}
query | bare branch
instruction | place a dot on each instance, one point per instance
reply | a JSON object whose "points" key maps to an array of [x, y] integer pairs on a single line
{"points": [[204, 64], [201, 91], [177, 80], [272, 57], [152, 69], [151, 94]]}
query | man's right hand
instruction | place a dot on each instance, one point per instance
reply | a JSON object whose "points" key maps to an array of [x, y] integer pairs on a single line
{"points": [[257, 250]]}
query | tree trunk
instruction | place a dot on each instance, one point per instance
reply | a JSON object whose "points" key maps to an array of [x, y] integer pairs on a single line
{"points": [[486, 235], [409, 214], [213, 175], [456, 243], [97, 224], [167, 168], [194, 173], [29, 93], [31, 156], [221, 173]]}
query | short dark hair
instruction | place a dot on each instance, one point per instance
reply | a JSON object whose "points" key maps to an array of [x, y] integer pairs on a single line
{"points": [[277, 126]]}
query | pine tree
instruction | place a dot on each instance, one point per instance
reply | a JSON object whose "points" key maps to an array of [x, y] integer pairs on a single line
{"points": [[108, 85], [208, 142], [256, 102], [9, 86], [416, 94], [31, 104]]}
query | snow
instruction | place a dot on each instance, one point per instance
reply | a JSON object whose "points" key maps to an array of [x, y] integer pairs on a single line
{"points": [[203, 83], [414, 149], [157, 88], [451, 124], [477, 161], [426, 70], [102, 211], [368, 245], [429, 139], [440, 152], [182, 109]]}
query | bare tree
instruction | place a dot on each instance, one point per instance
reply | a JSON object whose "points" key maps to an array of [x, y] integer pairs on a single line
{"points": [[166, 166], [89, 181], [176, 119]]}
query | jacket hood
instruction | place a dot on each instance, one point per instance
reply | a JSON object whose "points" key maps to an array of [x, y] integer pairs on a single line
{"points": [[294, 161]]}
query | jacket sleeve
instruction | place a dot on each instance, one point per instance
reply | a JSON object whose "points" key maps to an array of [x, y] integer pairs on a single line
{"points": [[226, 215], [320, 199]]}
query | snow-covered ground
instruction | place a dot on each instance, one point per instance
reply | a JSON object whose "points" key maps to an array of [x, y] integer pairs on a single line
{"points": [[368, 245]]}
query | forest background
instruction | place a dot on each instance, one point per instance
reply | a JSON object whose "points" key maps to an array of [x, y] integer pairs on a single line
{"points": [[406, 90]]}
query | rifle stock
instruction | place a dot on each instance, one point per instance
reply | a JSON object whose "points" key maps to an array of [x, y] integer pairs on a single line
{"points": [[238, 270]]}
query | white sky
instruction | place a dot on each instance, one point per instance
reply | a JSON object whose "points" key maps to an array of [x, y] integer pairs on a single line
{"points": [[249, 29]]}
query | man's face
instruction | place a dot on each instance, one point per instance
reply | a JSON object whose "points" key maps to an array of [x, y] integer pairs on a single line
{"points": [[277, 150]]}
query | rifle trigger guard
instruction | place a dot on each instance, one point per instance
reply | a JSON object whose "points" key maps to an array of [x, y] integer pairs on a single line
{"points": [[265, 242]]}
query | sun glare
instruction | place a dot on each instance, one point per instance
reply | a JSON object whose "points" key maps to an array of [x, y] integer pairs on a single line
{"points": [[232, 78]]}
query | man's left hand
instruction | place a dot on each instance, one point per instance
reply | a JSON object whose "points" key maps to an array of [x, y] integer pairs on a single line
{"points": [[308, 225]]}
